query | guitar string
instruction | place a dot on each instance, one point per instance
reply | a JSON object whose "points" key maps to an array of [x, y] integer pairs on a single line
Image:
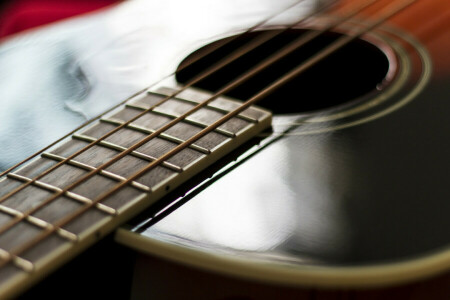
{"points": [[192, 82], [207, 52], [70, 187], [160, 130], [341, 42]]}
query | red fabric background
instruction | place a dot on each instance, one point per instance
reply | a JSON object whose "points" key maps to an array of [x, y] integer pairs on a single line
{"points": [[18, 15]]}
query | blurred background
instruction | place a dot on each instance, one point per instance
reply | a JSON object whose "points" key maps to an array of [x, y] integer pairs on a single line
{"points": [[19, 15]]}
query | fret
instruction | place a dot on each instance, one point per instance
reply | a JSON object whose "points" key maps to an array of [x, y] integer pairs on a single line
{"points": [[220, 104], [57, 209], [185, 131], [187, 120], [86, 221], [4, 254], [203, 115], [162, 135], [149, 98], [176, 108], [28, 198], [149, 120], [250, 114], [204, 125], [10, 211], [105, 173], [73, 145], [59, 177], [100, 206], [36, 168], [38, 222], [5, 218], [23, 264], [18, 235], [253, 113], [6, 186], [96, 185], [52, 188], [127, 114], [37, 183], [134, 153], [49, 245], [94, 156], [157, 147], [221, 108], [124, 137], [128, 165]]}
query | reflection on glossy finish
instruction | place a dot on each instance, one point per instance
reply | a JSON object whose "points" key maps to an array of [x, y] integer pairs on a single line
{"points": [[363, 195], [355, 186], [261, 210]]}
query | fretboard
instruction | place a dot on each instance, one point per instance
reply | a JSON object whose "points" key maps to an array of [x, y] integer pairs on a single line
{"points": [[43, 222]]}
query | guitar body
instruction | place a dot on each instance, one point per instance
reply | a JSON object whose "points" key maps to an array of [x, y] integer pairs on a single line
{"points": [[347, 191], [352, 196]]}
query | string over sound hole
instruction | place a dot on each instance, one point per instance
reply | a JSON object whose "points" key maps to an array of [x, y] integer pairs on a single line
{"points": [[348, 74]]}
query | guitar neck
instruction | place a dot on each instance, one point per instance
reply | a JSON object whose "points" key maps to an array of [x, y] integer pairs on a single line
{"points": [[75, 193]]}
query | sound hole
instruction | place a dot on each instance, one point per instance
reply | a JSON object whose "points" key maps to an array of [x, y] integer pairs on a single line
{"points": [[354, 71]]}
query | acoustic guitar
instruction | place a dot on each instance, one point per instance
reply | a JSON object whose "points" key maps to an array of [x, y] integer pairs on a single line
{"points": [[283, 149]]}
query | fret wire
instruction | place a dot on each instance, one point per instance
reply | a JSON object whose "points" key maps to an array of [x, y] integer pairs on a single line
{"points": [[4, 254], [104, 208], [72, 237], [301, 68], [26, 265], [105, 173], [10, 211], [137, 154], [38, 222], [37, 183], [22, 263], [210, 106], [221, 110], [19, 262], [146, 130], [228, 59], [224, 132]]}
